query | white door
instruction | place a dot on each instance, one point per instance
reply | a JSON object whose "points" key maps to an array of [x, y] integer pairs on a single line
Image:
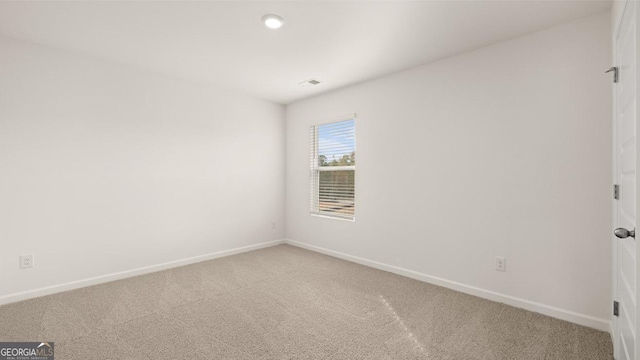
{"points": [[625, 165]]}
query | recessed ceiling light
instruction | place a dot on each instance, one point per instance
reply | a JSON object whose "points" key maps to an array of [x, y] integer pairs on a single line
{"points": [[310, 82], [272, 21]]}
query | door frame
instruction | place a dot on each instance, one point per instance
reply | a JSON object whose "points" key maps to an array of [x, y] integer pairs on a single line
{"points": [[615, 180], [617, 22], [636, 9]]}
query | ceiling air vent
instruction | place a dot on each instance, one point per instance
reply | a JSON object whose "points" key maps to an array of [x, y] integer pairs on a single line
{"points": [[308, 83]]}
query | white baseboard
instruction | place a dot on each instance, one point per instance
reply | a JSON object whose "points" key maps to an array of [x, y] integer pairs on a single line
{"points": [[130, 273], [580, 319]]}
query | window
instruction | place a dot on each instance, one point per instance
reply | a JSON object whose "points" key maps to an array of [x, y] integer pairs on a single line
{"points": [[333, 168]]}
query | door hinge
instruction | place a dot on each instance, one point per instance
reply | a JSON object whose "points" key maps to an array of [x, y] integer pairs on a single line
{"points": [[616, 191], [615, 73], [616, 308]]}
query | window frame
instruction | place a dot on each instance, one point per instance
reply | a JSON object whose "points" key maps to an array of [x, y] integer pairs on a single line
{"points": [[316, 169]]}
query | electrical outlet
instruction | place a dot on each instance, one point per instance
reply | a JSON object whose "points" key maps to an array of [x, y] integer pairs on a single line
{"points": [[501, 264], [273, 224], [26, 261]]}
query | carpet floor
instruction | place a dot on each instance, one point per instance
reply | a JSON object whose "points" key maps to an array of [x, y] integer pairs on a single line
{"points": [[288, 303]]}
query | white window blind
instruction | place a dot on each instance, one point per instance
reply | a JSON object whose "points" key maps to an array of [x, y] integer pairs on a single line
{"points": [[333, 168]]}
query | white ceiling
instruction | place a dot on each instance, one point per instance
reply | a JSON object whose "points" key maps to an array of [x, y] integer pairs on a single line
{"points": [[225, 43]]}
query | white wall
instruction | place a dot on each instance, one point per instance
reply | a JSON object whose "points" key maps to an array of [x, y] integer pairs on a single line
{"points": [[502, 151], [106, 168], [616, 11]]}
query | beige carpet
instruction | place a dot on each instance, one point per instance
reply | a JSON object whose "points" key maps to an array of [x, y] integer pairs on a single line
{"points": [[288, 303]]}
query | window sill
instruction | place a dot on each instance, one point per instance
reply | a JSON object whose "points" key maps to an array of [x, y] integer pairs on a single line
{"points": [[333, 217]]}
